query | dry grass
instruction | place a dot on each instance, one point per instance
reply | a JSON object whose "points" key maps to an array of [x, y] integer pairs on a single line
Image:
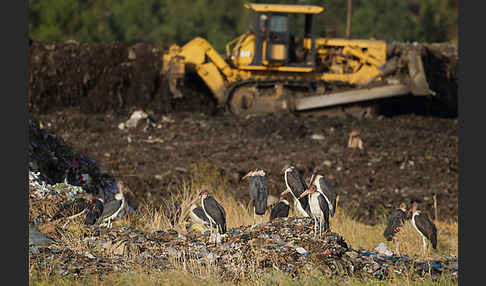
{"points": [[368, 237], [239, 213], [141, 278], [150, 218]]}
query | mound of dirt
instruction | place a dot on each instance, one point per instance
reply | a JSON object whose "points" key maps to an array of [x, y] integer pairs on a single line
{"points": [[122, 76], [96, 77]]}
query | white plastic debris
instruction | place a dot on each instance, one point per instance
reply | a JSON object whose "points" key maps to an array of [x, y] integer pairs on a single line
{"points": [[383, 249], [135, 118], [215, 237], [317, 137], [301, 250], [89, 255]]}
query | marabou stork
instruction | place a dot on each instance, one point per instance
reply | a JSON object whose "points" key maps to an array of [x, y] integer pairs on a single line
{"points": [[94, 210], [424, 226], [296, 186], [198, 216], [88, 205], [113, 207], [214, 211], [258, 191], [281, 209], [327, 191], [319, 209], [393, 224]]}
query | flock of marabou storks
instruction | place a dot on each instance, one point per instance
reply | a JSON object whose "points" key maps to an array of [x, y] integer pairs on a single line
{"points": [[318, 201]]}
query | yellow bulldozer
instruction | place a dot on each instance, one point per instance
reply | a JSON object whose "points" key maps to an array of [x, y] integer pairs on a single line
{"points": [[279, 64]]}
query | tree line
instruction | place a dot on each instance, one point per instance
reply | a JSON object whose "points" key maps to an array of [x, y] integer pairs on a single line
{"points": [[164, 22]]}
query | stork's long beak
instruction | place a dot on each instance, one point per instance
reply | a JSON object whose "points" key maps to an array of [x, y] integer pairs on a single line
{"points": [[284, 192], [304, 194], [245, 176]]}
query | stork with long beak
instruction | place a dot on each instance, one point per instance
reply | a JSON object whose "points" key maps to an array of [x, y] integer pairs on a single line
{"points": [[394, 223], [213, 211], [319, 209], [424, 226], [258, 191], [296, 186]]}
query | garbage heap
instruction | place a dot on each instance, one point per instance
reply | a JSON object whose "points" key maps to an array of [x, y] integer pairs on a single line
{"points": [[286, 244], [59, 174]]}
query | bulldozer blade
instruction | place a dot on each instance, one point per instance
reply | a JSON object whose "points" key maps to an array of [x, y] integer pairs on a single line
{"points": [[351, 96], [418, 81]]}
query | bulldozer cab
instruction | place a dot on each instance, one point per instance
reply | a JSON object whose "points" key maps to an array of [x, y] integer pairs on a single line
{"points": [[283, 34]]}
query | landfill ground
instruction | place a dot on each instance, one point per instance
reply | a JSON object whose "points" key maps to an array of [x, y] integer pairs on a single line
{"points": [[403, 158], [410, 150]]}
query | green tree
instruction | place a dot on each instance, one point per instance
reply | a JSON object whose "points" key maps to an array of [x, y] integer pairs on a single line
{"points": [[382, 19], [435, 19]]}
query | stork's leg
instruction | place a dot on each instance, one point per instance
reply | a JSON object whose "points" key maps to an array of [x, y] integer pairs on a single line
{"points": [[320, 227], [424, 245], [315, 227]]}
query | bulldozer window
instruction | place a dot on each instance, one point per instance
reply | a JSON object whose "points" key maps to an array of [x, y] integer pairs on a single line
{"points": [[278, 24]]}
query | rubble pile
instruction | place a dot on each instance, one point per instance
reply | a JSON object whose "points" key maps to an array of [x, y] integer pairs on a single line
{"points": [[286, 244], [52, 161]]}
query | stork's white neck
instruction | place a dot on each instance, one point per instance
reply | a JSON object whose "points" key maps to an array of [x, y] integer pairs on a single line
{"points": [[314, 204], [287, 184], [204, 209], [415, 213]]}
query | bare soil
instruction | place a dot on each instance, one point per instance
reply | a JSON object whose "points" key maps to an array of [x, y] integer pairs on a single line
{"points": [[83, 92]]}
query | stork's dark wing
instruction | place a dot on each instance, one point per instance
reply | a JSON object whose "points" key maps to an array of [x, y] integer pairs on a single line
{"points": [[295, 182], [325, 210], [199, 212], [427, 227], [94, 211], [329, 192], [215, 211], [280, 210], [304, 202], [111, 207], [259, 189], [394, 222]]}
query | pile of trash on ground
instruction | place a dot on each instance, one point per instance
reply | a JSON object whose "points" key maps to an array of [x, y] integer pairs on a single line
{"points": [[58, 174], [286, 244]]}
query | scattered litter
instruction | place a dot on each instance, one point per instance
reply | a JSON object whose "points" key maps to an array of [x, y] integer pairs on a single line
{"points": [[317, 137], [354, 141], [383, 249], [135, 118]]}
